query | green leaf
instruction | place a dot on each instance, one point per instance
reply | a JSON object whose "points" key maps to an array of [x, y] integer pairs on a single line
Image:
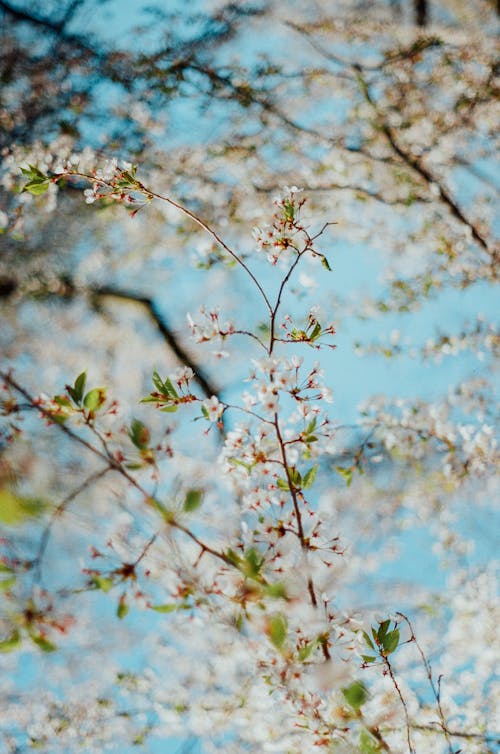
{"points": [[316, 332], [11, 642], [345, 473], [33, 172], [324, 262], [356, 694], [6, 584], [233, 557], [368, 744], [166, 513], [42, 643], [253, 563], [192, 500], [122, 608], [170, 388], [383, 628], [158, 383], [311, 426], [309, 477], [390, 641], [94, 399], [278, 630], [289, 210], [62, 401], [368, 658], [282, 484], [79, 387], [276, 591], [37, 187], [139, 434], [169, 409], [368, 640], [104, 583], [15, 509], [168, 608], [238, 462], [306, 650]]}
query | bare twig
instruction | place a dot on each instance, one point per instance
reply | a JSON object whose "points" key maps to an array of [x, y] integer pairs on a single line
{"points": [[435, 690]]}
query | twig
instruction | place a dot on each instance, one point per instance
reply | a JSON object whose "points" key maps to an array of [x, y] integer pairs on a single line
{"points": [[36, 563], [435, 691]]}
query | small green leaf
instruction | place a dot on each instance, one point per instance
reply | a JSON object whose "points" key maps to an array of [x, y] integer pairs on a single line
{"points": [[238, 623], [170, 388], [6, 584], [345, 473], [282, 484], [79, 387], [306, 650], [37, 187], [390, 641], [94, 399], [15, 509], [42, 643], [168, 608], [276, 591], [311, 426], [11, 642], [192, 500], [167, 514], [62, 401], [253, 563], [309, 477], [368, 640], [139, 434], [104, 583], [324, 262], [278, 630], [122, 608], [158, 383], [33, 173], [356, 694], [368, 744], [237, 462], [289, 210], [368, 658], [233, 557], [383, 628], [316, 332]]}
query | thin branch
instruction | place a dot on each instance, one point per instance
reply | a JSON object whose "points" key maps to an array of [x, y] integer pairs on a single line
{"points": [[37, 561], [211, 232], [278, 300], [403, 703], [493, 738], [356, 189], [8, 286], [164, 329], [112, 463], [436, 691], [416, 164], [56, 27]]}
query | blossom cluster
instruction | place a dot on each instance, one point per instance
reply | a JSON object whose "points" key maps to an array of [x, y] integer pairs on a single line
{"points": [[279, 239]]}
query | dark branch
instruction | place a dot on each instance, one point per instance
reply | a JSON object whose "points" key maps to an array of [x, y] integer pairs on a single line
{"points": [[165, 331], [68, 288]]}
